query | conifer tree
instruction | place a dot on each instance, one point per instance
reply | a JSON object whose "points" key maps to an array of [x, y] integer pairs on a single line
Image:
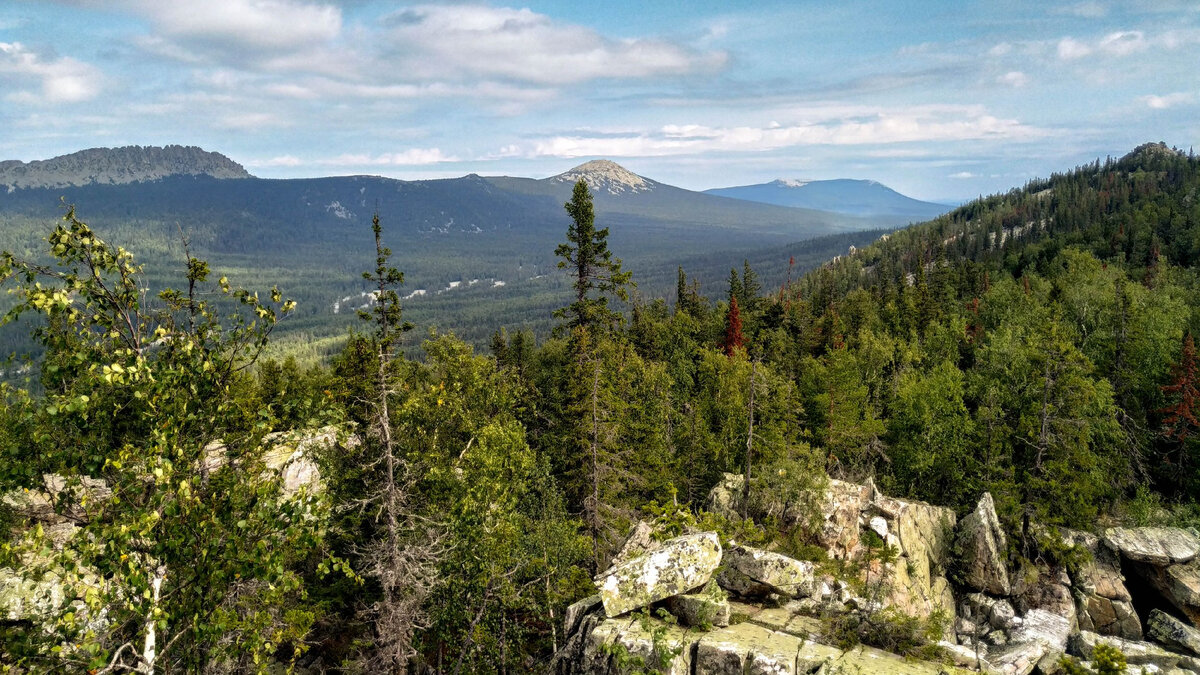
{"points": [[596, 273], [734, 339]]}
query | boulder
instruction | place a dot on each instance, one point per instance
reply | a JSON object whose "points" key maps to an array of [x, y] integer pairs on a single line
{"points": [[678, 566], [984, 546], [1173, 633], [751, 572], [577, 611], [1159, 546], [725, 499], [1039, 625], [639, 540], [289, 456], [706, 608], [1183, 589], [1083, 644], [1018, 658], [978, 608]]}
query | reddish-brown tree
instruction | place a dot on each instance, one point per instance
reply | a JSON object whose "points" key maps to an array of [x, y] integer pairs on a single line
{"points": [[1184, 392], [734, 339]]}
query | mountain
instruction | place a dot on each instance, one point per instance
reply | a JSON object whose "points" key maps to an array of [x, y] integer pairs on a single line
{"points": [[476, 250], [863, 198], [116, 166]]}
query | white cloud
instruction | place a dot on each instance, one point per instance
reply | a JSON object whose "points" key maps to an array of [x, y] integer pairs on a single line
{"points": [[1086, 10], [1168, 100], [282, 160], [1070, 48], [1014, 78], [1123, 43], [437, 41], [826, 126], [61, 80], [260, 25], [963, 175], [410, 157]]}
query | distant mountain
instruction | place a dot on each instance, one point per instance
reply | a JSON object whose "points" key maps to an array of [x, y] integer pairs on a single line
{"points": [[476, 251], [116, 166], [863, 198]]}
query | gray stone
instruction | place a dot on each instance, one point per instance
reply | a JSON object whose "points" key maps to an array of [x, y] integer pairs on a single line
{"points": [[1018, 658], [1173, 633], [706, 608], [725, 499], [650, 643], [752, 572], [1083, 644], [678, 566], [639, 541], [577, 611], [749, 648], [1038, 625], [1159, 546], [983, 546]]}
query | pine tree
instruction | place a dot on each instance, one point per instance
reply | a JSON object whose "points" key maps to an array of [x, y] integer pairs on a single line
{"points": [[595, 271]]}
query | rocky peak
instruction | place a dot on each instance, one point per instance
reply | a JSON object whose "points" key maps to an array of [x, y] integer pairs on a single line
{"points": [[602, 175], [115, 166]]}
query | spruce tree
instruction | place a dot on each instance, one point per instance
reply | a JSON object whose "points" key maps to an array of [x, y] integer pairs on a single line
{"points": [[596, 273]]}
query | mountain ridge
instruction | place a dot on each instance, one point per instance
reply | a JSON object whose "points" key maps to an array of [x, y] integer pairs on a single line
{"points": [[118, 166], [853, 197]]}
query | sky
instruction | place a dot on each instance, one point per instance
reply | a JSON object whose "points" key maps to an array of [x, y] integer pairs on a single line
{"points": [[942, 100]]}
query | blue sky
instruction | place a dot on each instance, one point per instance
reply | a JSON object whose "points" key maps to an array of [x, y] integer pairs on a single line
{"points": [[940, 100]]}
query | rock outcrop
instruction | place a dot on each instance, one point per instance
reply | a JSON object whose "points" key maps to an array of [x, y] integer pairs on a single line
{"points": [[984, 548], [781, 614]]}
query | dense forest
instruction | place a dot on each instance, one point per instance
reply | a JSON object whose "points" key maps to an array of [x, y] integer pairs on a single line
{"points": [[1035, 344]]}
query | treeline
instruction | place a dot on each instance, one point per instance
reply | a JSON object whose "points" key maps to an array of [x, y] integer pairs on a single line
{"points": [[1035, 345]]}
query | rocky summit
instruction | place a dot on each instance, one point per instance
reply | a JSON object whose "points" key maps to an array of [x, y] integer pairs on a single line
{"points": [[115, 166], [696, 605]]}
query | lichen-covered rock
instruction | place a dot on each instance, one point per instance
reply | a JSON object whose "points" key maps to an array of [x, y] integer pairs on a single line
{"points": [[678, 566], [1159, 546], [725, 499], [1083, 644], [983, 545], [1173, 633], [922, 533], [60, 499], [878, 662], [752, 572], [705, 608], [636, 644], [1182, 588], [841, 509], [748, 648]]}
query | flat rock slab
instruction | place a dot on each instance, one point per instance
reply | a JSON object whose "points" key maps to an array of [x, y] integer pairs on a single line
{"points": [[1159, 546], [1050, 629], [1136, 652], [747, 649], [870, 660], [678, 566], [1173, 633]]}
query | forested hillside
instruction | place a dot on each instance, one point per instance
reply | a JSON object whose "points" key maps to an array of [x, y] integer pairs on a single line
{"points": [[1036, 345]]}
